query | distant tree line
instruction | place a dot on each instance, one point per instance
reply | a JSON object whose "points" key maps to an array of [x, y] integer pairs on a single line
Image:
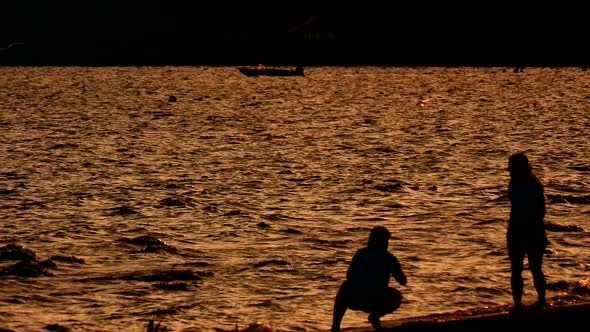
{"points": [[200, 32]]}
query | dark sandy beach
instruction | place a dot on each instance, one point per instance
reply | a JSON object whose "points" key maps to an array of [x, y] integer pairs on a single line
{"points": [[559, 314]]}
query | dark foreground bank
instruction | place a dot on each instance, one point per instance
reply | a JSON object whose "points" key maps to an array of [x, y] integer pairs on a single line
{"points": [[559, 314]]}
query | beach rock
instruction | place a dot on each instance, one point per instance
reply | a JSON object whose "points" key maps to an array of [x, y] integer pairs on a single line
{"points": [[16, 252], [56, 328], [27, 268], [69, 259]]}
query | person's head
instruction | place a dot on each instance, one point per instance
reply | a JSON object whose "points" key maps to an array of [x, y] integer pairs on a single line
{"points": [[518, 166], [379, 237]]}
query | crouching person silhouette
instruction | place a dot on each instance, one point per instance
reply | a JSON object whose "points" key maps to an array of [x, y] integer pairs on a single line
{"points": [[366, 287]]}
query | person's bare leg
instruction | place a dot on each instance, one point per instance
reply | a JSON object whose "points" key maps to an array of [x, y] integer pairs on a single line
{"points": [[394, 300], [340, 306], [375, 320], [536, 266], [516, 257]]}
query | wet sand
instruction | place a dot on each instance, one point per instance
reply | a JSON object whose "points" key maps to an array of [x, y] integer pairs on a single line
{"points": [[559, 314]]}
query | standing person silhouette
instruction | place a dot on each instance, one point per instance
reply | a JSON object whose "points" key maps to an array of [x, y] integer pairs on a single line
{"points": [[526, 234], [366, 287]]}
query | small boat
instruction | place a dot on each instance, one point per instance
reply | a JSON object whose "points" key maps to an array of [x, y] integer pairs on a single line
{"points": [[261, 70]]}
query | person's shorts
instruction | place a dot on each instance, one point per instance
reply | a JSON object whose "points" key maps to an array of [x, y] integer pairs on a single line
{"points": [[387, 301], [534, 238]]}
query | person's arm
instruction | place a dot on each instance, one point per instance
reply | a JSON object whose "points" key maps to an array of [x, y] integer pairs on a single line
{"points": [[540, 201], [397, 272], [349, 271], [400, 277]]}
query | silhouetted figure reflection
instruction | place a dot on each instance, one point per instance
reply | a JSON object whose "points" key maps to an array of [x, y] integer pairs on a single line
{"points": [[526, 235], [366, 287]]}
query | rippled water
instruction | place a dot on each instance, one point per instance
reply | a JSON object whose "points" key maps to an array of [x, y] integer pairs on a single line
{"points": [[245, 199]]}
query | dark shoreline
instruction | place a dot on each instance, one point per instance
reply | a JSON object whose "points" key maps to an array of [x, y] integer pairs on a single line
{"points": [[564, 315]]}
